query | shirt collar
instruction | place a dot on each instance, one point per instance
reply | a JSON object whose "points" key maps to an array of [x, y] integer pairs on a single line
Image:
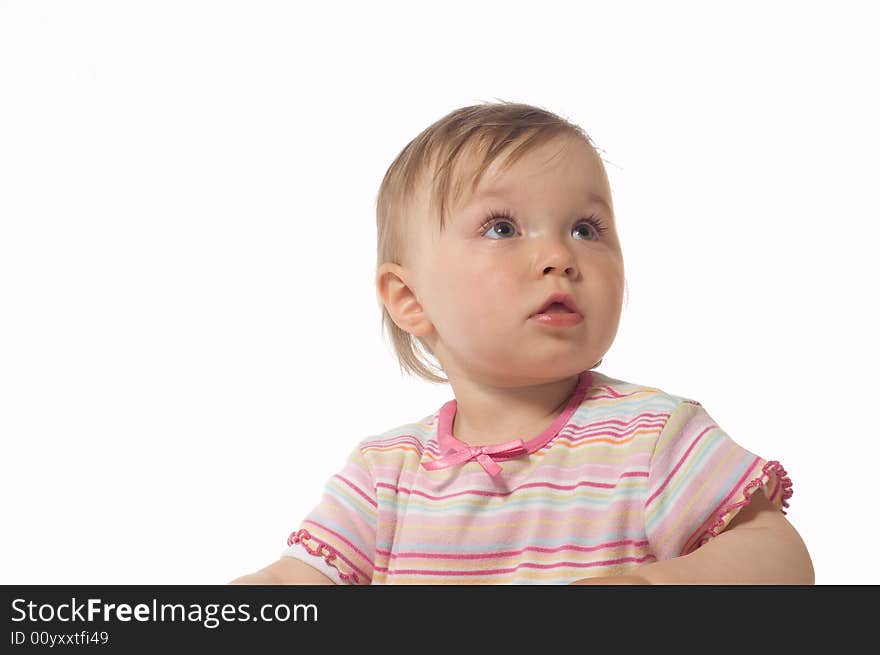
{"points": [[457, 452]]}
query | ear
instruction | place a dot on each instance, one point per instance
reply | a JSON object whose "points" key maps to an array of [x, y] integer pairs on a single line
{"points": [[400, 300]]}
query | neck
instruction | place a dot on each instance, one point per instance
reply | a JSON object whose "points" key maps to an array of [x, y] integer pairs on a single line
{"points": [[488, 415]]}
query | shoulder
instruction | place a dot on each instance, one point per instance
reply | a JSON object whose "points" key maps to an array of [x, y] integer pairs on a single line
{"points": [[651, 414], [400, 443], [630, 397]]}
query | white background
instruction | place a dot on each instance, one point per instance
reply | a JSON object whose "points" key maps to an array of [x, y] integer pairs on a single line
{"points": [[189, 330]]}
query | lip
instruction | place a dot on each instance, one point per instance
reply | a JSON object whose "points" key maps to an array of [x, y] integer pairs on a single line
{"points": [[563, 298], [564, 319]]}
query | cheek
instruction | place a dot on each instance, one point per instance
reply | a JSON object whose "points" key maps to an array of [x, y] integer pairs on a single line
{"points": [[606, 294], [486, 288], [477, 299]]}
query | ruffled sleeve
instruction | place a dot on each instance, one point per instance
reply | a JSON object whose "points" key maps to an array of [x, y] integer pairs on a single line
{"points": [[338, 537], [698, 480]]}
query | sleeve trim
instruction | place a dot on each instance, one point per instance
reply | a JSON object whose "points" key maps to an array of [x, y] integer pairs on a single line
{"points": [[321, 549], [298, 552], [773, 468]]}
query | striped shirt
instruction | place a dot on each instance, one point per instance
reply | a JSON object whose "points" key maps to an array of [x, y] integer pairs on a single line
{"points": [[625, 475]]}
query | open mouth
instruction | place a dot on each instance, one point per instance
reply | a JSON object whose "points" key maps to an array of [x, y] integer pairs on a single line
{"points": [[557, 308]]}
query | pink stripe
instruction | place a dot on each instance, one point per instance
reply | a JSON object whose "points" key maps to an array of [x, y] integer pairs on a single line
{"points": [[776, 488], [343, 539], [524, 565], [611, 393], [357, 489], [678, 466], [509, 553], [589, 435], [512, 524], [530, 485], [549, 471], [634, 419], [639, 418], [581, 440], [563, 475]]}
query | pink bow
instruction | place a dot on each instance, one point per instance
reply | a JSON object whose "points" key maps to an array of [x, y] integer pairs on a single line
{"points": [[483, 454]]}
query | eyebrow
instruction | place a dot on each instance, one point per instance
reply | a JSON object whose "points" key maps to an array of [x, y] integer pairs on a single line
{"points": [[600, 200], [504, 189]]}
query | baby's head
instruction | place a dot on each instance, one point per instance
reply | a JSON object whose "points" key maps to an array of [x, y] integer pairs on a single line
{"points": [[480, 218]]}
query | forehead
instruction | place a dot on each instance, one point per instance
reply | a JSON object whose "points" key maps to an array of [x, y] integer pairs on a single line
{"points": [[564, 164]]}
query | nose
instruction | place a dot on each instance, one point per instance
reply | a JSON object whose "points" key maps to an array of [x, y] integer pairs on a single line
{"points": [[558, 258]]}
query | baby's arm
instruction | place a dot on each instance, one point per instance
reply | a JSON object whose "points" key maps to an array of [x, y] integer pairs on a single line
{"points": [[287, 570], [759, 546]]}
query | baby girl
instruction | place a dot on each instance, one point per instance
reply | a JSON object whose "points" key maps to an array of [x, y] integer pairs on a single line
{"points": [[500, 267]]}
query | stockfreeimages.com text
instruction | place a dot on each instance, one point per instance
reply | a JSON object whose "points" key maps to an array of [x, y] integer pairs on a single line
{"points": [[210, 615]]}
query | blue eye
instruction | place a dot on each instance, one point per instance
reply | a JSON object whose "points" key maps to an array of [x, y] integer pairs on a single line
{"points": [[497, 227], [595, 224], [498, 219]]}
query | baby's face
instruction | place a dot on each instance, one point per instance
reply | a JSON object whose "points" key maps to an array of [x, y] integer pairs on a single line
{"points": [[479, 283]]}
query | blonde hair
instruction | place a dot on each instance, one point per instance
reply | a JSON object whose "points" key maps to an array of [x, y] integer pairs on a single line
{"points": [[489, 129]]}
